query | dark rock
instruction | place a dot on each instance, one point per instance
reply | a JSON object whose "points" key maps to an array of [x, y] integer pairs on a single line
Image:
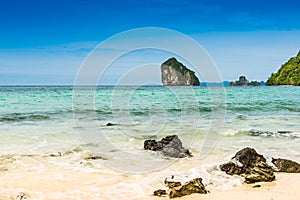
{"points": [[175, 73], [256, 186], [253, 166], [159, 192], [193, 186], [110, 124], [284, 165], [284, 132], [170, 146], [92, 157], [248, 156], [153, 145]]}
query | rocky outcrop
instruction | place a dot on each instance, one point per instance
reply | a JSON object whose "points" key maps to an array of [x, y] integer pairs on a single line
{"points": [[176, 189], [284, 165], [170, 146], [244, 82], [241, 82], [250, 165], [175, 73]]}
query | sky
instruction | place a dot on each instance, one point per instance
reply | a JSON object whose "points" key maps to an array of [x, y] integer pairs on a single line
{"points": [[46, 41]]}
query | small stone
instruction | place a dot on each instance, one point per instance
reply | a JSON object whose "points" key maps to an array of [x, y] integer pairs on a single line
{"points": [[94, 158], [159, 192]]}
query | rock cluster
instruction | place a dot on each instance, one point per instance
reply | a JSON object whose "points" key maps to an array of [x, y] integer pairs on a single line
{"points": [[244, 82], [170, 146], [251, 165], [246, 163]]}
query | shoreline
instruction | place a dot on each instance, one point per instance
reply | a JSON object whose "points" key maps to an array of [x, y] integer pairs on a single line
{"points": [[285, 186]]}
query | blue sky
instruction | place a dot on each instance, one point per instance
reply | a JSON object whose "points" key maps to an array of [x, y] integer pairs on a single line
{"points": [[44, 42]]}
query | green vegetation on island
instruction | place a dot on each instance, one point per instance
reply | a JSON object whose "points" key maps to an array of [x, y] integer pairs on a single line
{"points": [[288, 74]]}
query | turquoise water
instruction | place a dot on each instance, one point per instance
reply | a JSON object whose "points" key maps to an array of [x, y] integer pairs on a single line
{"points": [[53, 115], [51, 131], [253, 107], [147, 111]]}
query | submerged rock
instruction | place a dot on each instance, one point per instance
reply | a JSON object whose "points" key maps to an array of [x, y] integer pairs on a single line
{"points": [[250, 165], [284, 165], [110, 124], [94, 157], [170, 146]]}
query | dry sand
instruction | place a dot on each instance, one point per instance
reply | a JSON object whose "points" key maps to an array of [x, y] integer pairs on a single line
{"points": [[286, 186]]}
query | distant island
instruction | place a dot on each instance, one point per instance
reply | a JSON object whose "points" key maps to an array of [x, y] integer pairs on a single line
{"points": [[244, 82], [175, 73], [288, 74]]}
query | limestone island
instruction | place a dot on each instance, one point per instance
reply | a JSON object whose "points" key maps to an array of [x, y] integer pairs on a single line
{"points": [[244, 82], [288, 74], [174, 73]]}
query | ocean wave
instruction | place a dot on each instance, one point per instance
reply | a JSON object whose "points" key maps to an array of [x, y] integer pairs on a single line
{"points": [[24, 117], [258, 133], [231, 132], [284, 134], [139, 112]]}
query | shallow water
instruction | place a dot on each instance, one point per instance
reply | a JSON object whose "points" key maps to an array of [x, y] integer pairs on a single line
{"points": [[48, 136]]}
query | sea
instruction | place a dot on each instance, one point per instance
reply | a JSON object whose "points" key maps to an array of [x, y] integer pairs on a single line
{"points": [[55, 142]]}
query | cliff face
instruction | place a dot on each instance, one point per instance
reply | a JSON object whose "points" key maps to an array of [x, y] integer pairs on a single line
{"points": [[288, 74], [175, 73]]}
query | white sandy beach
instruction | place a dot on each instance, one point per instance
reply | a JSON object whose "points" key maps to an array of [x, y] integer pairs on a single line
{"points": [[94, 187]]}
